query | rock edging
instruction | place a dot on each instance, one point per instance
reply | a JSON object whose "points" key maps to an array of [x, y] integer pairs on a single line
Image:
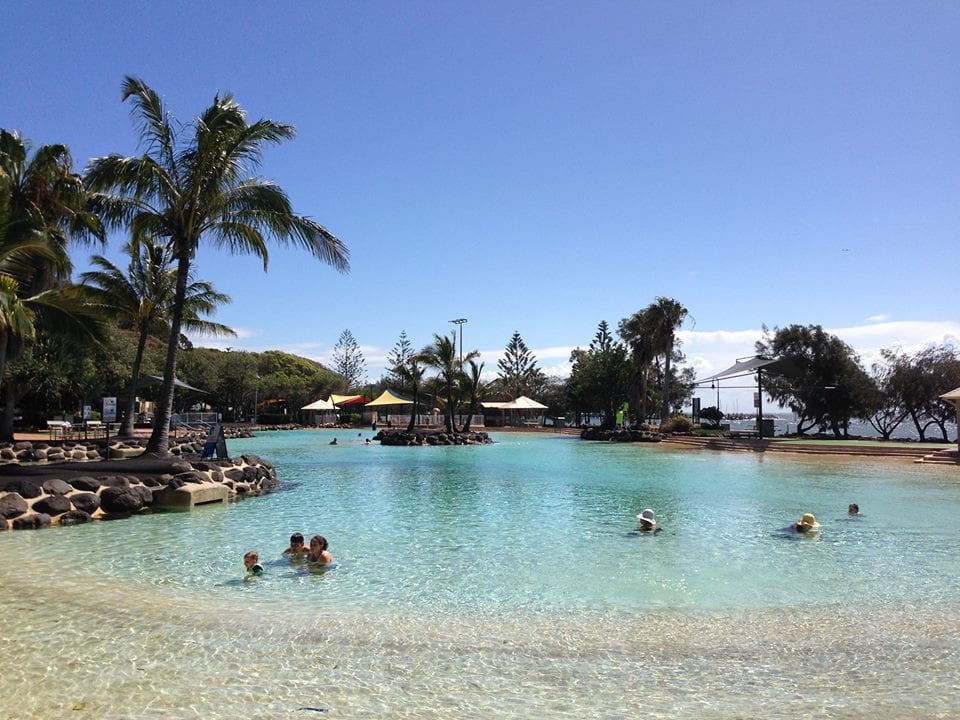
{"points": [[431, 437], [70, 493]]}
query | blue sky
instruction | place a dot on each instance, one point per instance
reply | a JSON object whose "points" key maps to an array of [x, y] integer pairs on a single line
{"points": [[541, 167]]}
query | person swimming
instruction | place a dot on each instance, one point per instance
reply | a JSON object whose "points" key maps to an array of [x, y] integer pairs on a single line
{"points": [[319, 555], [648, 522], [297, 547], [853, 509], [252, 562], [805, 523]]}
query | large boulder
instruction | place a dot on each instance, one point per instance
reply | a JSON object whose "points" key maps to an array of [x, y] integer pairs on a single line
{"points": [[87, 502], [32, 522], [56, 486], [74, 517], [120, 500], [25, 486], [12, 505], [85, 483], [53, 505]]}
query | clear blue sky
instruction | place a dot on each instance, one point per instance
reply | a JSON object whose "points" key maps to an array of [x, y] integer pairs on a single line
{"points": [[541, 167]]}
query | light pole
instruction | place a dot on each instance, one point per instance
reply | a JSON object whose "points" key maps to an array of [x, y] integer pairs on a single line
{"points": [[460, 322]]}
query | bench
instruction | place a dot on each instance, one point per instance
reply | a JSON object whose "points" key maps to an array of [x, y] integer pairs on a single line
{"points": [[58, 429], [744, 434]]}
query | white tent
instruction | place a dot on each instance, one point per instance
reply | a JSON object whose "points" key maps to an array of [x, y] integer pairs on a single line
{"points": [[323, 412], [320, 404]]}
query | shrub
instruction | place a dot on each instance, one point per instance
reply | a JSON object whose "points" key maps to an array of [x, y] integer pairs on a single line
{"points": [[677, 424]]}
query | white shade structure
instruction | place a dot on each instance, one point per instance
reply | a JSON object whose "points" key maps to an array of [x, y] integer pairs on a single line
{"points": [[320, 404], [954, 397], [524, 403]]}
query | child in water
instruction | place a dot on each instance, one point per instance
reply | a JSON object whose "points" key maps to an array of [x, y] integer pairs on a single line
{"points": [[297, 547], [252, 562]]}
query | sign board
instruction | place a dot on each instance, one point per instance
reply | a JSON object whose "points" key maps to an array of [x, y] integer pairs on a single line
{"points": [[110, 409], [215, 445], [87, 412]]}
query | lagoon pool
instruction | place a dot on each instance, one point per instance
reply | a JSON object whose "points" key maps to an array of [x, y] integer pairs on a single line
{"points": [[502, 581]]}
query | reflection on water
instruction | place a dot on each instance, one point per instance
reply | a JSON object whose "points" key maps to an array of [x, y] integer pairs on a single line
{"points": [[506, 583]]}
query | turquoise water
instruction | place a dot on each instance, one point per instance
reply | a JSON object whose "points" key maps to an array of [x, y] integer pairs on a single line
{"points": [[505, 581]]}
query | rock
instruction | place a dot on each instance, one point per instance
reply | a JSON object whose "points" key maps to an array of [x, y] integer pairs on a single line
{"points": [[192, 477], [87, 502], [85, 483], [23, 445], [53, 505], [120, 500], [32, 522], [8, 453], [74, 517], [26, 487], [114, 481], [4, 525], [55, 486], [145, 493], [12, 504]]}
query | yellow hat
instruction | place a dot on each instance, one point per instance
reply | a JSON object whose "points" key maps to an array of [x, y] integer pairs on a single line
{"points": [[808, 520]]}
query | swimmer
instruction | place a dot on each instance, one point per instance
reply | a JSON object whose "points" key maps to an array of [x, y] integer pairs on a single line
{"points": [[319, 555], [368, 441], [648, 522], [806, 523], [333, 442], [853, 509], [252, 562], [297, 547]]}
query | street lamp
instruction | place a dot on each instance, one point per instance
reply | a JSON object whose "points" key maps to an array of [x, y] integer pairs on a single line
{"points": [[460, 322]]}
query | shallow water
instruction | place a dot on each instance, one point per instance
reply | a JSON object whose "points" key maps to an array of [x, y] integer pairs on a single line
{"points": [[502, 581]]}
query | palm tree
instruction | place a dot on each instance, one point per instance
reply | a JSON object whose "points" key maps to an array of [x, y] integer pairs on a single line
{"points": [[636, 332], [187, 189], [442, 356], [474, 388], [411, 372], [140, 299], [43, 204], [666, 316]]}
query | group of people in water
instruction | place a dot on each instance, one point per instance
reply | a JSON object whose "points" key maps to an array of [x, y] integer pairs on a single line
{"points": [[316, 555], [806, 523]]}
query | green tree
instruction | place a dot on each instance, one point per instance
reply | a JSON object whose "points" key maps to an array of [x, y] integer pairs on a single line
{"points": [[43, 205], [472, 387], [186, 190], [599, 377], [827, 388], [666, 316], [888, 408], [348, 360], [920, 379], [140, 297], [637, 332], [519, 374], [442, 356], [397, 360]]}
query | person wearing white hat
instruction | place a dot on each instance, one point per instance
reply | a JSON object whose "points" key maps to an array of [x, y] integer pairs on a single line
{"points": [[648, 521]]}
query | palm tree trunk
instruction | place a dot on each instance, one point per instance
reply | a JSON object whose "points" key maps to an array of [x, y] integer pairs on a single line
{"points": [[159, 442], [4, 336], [126, 428], [665, 410], [416, 404]]}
